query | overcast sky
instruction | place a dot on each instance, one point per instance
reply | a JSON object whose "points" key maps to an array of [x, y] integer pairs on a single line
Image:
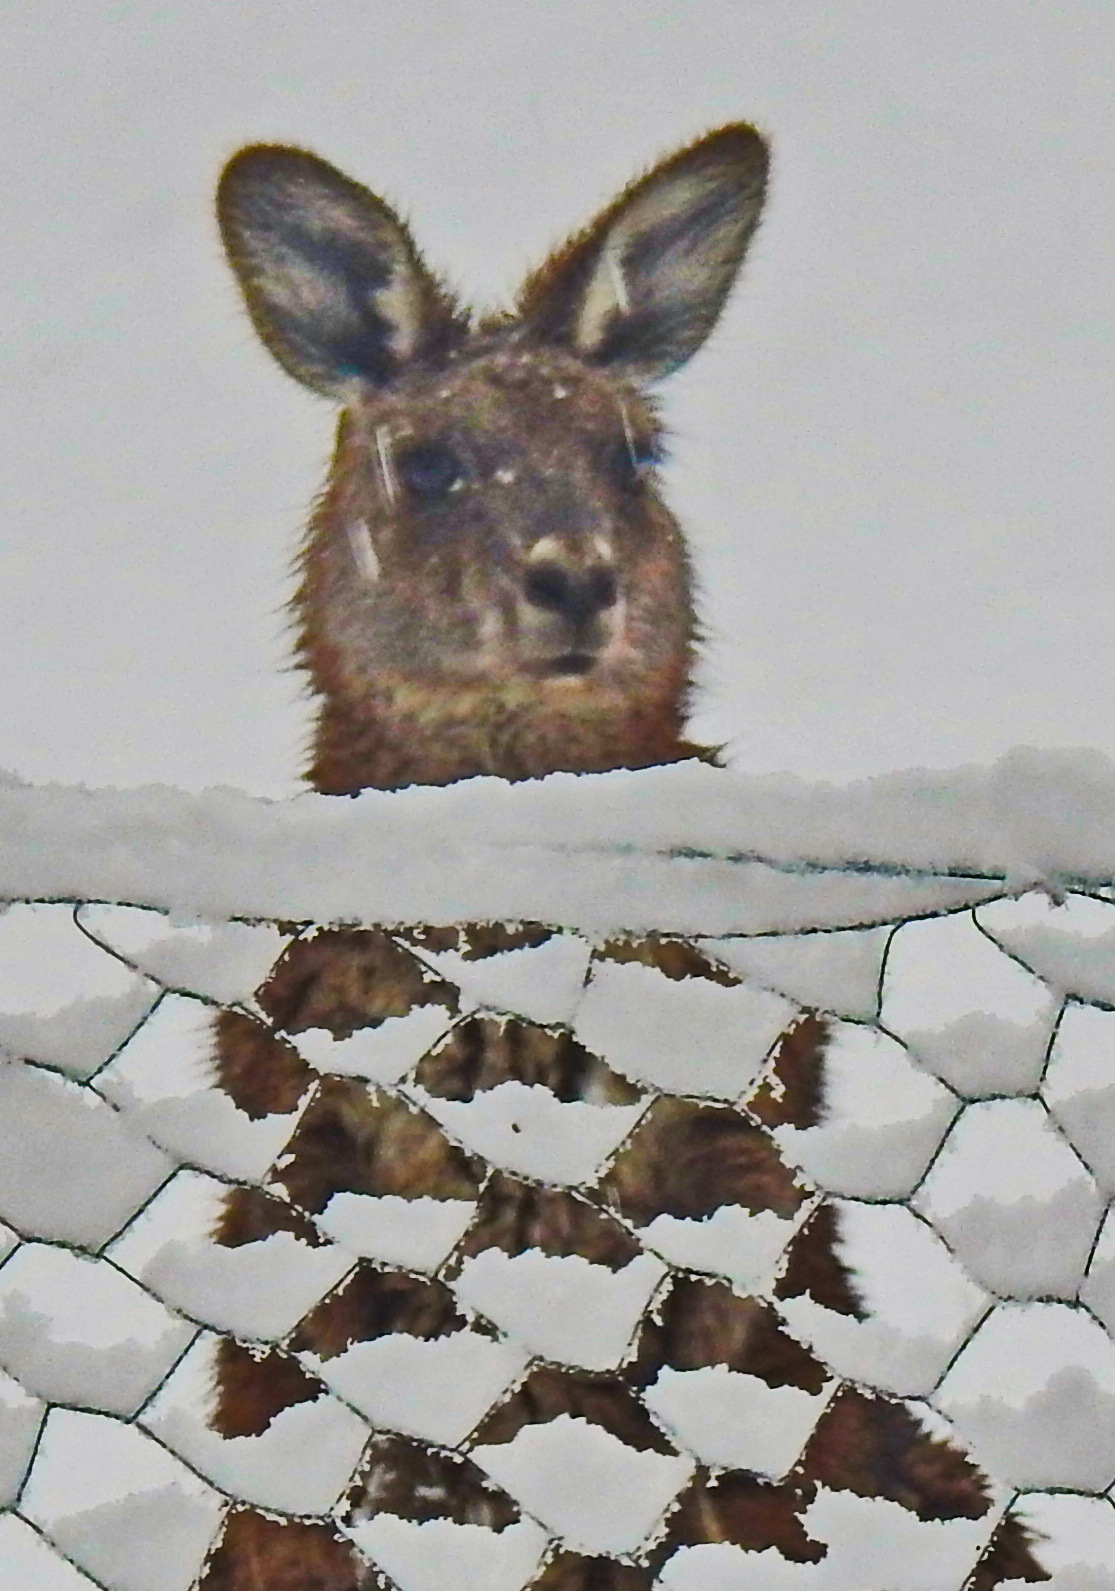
{"points": [[894, 460]]}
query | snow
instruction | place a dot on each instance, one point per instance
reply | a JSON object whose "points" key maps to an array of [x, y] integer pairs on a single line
{"points": [[27, 1560], [300, 1464], [1015, 1202], [1077, 1540], [1033, 1394], [873, 1545], [221, 961], [185, 1209], [257, 1290], [687, 1036], [977, 1018], [837, 971], [1080, 1087], [119, 1504], [1071, 945], [382, 1054], [742, 1245], [163, 1081], [169, 1055], [872, 1352], [728, 1418], [71, 1168], [416, 1234], [438, 1553], [437, 1390], [588, 1487], [542, 983], [430, 854], [525, 1128], [1098, 1291], [46, 963], [75, 1330], [153, 1541], [20, 1418], [1017, 1190], [884, 1118], [62, 1001], [562, 1306], [1075, 1577], [209, 1131], [920, 1304]]}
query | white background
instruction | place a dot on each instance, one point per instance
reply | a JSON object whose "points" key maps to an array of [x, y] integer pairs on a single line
{"points": [[894, 459]]}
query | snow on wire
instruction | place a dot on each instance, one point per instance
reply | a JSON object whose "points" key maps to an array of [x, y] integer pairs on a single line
{"points": [[957, 935]]}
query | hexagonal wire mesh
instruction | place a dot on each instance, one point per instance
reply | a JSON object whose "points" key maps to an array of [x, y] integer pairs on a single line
{"points": [[516, 1251]]}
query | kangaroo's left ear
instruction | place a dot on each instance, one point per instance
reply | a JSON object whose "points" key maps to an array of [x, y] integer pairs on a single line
{"points": [[333, 282], [641, 288]]}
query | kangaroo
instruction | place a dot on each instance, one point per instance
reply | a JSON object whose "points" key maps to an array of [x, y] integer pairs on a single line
{"points": [[492, 584]]}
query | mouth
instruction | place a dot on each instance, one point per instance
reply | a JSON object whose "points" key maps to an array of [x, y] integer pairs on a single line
{"points": [[568, 665]]}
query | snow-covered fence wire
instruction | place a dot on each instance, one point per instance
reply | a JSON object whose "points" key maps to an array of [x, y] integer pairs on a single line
{"points": [[956, 933]]}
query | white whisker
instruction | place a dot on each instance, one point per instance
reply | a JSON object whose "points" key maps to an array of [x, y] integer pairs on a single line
{"points": [[383, 453], [363, 553], [628, 433]]}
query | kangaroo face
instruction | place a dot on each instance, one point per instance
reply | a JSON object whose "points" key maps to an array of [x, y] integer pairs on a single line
{"points": [[492, 525], [498, 520]]}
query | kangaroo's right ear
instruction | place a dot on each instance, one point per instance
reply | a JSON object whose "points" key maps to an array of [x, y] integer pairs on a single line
{"points": [[331, 277], [640, 289]]}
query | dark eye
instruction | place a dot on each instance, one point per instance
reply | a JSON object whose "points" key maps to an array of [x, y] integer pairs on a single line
{"points": [[632, 457], [429, 469]]}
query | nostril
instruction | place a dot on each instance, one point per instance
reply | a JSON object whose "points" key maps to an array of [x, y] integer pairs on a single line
{"points": [[602, 588], [549, 587], [555, 589]]}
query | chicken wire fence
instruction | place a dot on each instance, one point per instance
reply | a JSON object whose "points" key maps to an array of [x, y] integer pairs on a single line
{"points": [[960, 1153]]}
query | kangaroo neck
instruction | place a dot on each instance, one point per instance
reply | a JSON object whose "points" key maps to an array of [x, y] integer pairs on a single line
{"points": [[410, 734]]}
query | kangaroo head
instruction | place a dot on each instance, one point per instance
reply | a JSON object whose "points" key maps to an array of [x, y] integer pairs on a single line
{"points": [[492, 583]]}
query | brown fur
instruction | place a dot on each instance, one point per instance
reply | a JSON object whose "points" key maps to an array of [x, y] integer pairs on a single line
{"points": [[434, 719], [492, 584]]}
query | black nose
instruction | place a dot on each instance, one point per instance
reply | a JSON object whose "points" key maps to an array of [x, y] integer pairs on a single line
{"points": [[575, 595]]}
